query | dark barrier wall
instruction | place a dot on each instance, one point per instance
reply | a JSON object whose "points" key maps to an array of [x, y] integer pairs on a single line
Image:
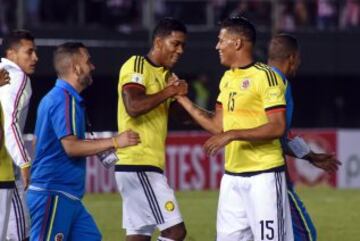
{"points": [[326, 89]]}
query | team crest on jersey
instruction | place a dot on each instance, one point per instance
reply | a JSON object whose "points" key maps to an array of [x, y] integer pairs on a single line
{"points": [[245, 84], [59, 237], [137, 78], [170, 206]]}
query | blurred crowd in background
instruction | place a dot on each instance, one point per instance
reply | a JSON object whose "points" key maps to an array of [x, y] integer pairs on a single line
{"points": [[127, 15], [328, 31]]}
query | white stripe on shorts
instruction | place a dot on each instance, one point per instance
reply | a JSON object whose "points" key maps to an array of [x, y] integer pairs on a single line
{"points": [[280, 211], [19, 214]]}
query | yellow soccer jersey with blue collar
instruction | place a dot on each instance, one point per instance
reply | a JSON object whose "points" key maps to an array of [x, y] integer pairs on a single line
{"points": [[246, 95], [152, 126], [6, 164]]}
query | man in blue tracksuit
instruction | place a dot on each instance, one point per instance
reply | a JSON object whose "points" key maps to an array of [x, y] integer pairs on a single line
{"points": [[58, 169], [284, 58]]}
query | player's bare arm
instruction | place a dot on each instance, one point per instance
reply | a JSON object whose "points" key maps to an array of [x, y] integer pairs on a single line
{"points": [[25, 173], [210, 121], [4, 77], [75, 147], [275, 128], [137, 102]]}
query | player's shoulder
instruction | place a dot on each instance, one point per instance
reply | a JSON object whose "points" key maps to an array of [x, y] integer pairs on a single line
{"points": [[17, 79], [15, 73], [225, 79], [266, 75], [228, 74], [55, 96], [134, 64], [262, 69]]}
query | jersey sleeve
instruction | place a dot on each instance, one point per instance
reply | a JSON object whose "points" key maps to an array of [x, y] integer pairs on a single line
{"points": [[132, 73], [63, 116], [10, 100], [272, 92]]}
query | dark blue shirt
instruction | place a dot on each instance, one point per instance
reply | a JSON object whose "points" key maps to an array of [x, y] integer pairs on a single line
{"points": [[61, 113], [288, 98]]}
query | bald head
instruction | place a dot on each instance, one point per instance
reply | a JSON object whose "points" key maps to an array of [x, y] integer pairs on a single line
{"points": [[282, 46]]}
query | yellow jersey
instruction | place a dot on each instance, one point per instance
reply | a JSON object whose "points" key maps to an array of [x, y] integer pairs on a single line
{"points": [[246, 95], [139, 72], [6, 164]]}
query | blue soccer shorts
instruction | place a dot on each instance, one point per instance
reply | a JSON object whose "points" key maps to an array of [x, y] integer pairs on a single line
{"points": [[55, 216], [303, 227]]}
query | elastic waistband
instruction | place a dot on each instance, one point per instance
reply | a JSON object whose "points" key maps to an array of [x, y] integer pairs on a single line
{"points": [[138, 168], [250, 174], [7, 184], [39, 189]]}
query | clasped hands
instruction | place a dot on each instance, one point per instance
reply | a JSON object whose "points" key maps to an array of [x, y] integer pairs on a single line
{"points": [[179, 86]]}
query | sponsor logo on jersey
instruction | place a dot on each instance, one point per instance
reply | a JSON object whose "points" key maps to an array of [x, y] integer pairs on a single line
{"points": [[59, 237], [170, 206]]}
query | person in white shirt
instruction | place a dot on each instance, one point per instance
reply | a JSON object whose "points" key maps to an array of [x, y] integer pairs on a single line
{"points": [[20, 61]]}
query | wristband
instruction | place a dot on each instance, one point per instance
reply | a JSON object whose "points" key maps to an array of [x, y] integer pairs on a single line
{"points": [[115, 144], [299, 147]]}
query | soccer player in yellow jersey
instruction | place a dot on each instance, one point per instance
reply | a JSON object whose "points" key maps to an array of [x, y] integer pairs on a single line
{"points": [[248, 121], [146, 87], [7, 178]]}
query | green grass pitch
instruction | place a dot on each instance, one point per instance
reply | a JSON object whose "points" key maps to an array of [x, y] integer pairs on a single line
{"points": [[336, 213]]}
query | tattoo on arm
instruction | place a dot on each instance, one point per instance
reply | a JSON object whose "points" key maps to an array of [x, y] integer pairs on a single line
{"points": [[203, 112]]}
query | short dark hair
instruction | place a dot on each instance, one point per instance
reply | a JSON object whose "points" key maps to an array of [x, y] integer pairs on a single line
{"points": [[13, 38], [241, 26], [166, 26], [64, 54], [282, 46]]}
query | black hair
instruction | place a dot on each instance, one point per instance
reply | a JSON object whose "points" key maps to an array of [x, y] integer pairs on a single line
{"points": [[166, 26], [240, 26], [13, 38], [282, 46]]}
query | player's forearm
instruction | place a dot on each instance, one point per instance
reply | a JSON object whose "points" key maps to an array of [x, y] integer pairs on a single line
{"points": [[143, 104], [269, 131], [309, 157], [203, 117], [83, 148]]}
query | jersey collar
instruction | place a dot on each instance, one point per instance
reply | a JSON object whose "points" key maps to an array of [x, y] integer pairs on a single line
{"points": [[66, 86], [11, 63], [152, 63], [246, 66]]}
